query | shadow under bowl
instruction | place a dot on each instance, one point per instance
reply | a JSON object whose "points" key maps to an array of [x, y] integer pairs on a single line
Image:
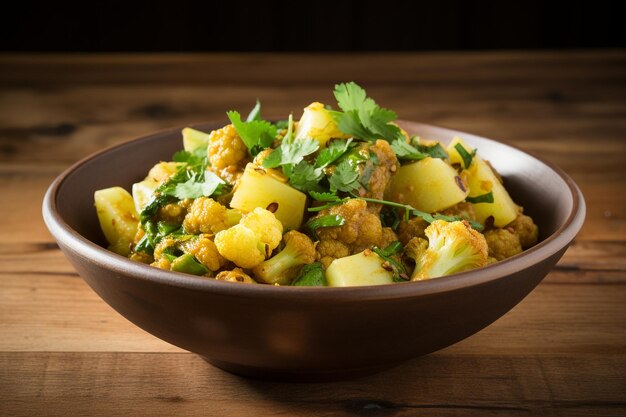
{"points": [[299, 333]]}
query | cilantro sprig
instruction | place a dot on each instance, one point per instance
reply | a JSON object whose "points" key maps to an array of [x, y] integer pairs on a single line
{"points": [[399, 271], [362, 117], [255, 133], [290, 157]]}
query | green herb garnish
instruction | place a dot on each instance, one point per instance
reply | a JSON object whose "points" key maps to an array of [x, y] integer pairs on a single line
{"points": [[311, 275], [256, 134], [399, 272], [345, 177], [331, 220], [332, 152], [467, 156], [483, 198], [362, 117]]}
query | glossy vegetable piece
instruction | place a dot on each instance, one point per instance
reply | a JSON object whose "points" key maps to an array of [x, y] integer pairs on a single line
{"points": [[118, 218], [481, 180], [364, 268], [318, 123], [429, 185], [258, 187], [194, 139], [187, 263], [142, 191]]}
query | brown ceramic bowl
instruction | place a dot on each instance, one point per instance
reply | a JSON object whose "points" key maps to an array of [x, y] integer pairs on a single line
{"points": [[299, 333]]}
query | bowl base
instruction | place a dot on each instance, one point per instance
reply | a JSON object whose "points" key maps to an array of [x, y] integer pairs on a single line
{"points": [[292, 375]]}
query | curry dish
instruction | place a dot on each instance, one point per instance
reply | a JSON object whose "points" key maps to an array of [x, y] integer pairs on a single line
{"points": [[341, 197]]}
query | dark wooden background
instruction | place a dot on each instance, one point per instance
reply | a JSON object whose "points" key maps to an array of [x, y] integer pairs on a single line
{"points": [[321, 25]]}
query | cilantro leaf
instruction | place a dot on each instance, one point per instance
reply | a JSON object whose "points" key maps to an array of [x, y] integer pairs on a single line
{"points": [[350, 124], [345, 178], [399, 271], [362, 117], [436, 151], [311, 275], [325, 197], [292, 152], [330, 220], [483, 198], [467, 157], [196, 187], [393, 248], [273, 159], [332, 152], [405, 150], [256, 134], [305, 177], [350, 96], [197, 157], [255, 113]]}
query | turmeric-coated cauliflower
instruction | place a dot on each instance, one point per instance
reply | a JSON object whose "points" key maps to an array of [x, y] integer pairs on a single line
{"points": [[526, 229], [248, 243], [362, 229], [205, 251], [503, 243], [329, 250], [236, 275], [227, 153], [408, 230], [206, 215], [283, 267], [452, 247], [266, 225]]}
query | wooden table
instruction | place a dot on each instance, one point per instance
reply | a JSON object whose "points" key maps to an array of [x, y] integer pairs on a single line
{"points": [[561, 351]]}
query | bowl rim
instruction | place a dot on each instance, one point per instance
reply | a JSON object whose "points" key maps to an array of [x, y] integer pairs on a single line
{"points": [[69, 238]]}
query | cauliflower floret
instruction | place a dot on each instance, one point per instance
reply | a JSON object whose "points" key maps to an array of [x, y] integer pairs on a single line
{"points": [[266, 225], [143, 257], [205, 251], [249, 242], [503, 243], [463, 209], [526, 229], [227, 153], [362, 228], [241, 246], [163, 246], [329, 250], [380, 164], [282, 268], [236, 275], [452, 247], [206, 216], [162, 263], [387, 237], [413, 228], [173, 213]]}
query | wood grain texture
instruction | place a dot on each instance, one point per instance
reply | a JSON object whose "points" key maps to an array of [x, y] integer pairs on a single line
{"points": [[560, 352]]}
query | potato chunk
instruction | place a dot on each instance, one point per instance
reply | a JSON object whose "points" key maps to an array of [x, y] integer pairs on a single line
{"points": [[482, 180], [257, 187], [118, 218], [429, 185], [364, 268], [194, 139]]}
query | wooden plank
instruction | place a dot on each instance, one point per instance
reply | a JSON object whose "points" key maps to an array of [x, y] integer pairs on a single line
{"points": [[438, 385], [306, 69]]}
